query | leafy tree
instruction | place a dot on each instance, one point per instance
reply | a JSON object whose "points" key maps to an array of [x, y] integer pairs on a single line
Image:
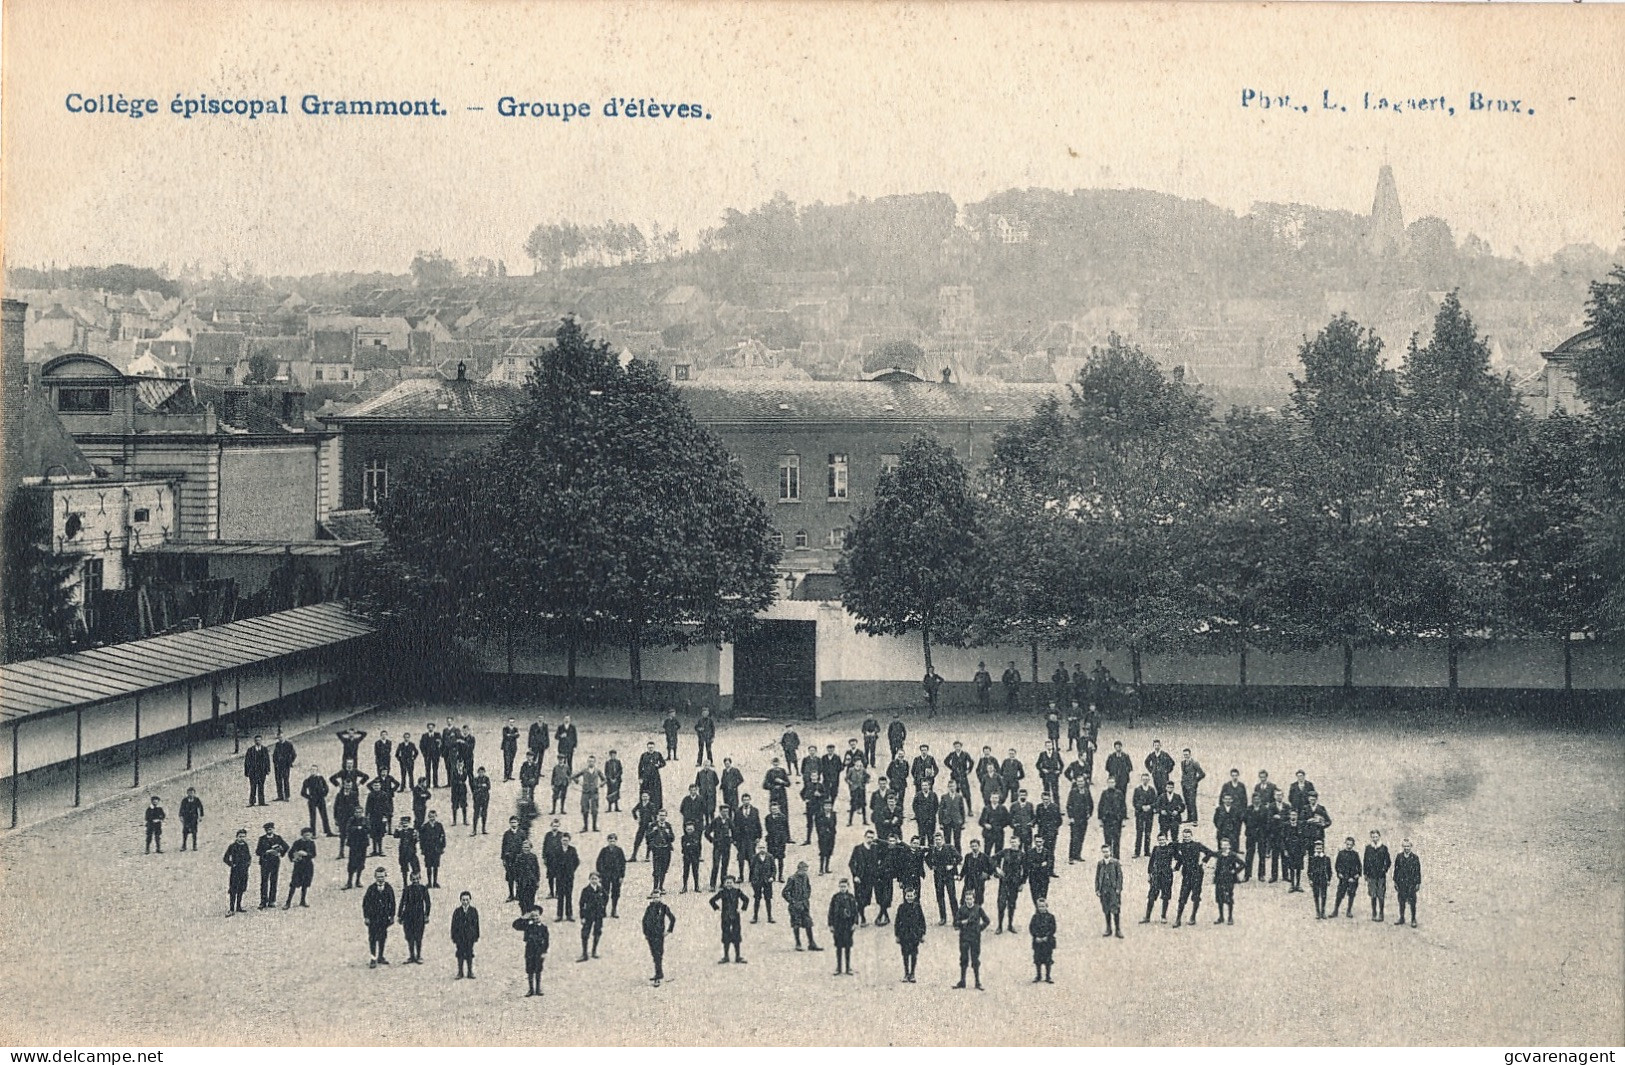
{"points": [[431, 268], [1600, 375], [1461, 428], [40, 615], [262, 368], [606, 512], [1234, 551], [1540, 533], [908, 558], [1111, 478], [1344, 488]]}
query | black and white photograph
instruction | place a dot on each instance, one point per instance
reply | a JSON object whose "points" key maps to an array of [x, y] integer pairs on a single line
{"points": [[947, 515]]}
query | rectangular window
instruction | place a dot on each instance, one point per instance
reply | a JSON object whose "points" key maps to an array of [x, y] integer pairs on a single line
{"points": [[889, 463], [790, 479], [776, 538], [375, 482], [680, 371], [801, 537], [84, 400], [92, 578], [837, 538], [837, 475], [142, 516]]}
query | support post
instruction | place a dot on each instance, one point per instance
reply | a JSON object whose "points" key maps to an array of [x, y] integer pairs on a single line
{"points": [[236, 715], [188, 724], [137, 782], [16, 727], [78, 747]]}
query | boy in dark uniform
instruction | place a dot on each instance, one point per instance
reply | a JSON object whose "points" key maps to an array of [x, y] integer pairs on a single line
{"points": [[1170, 811], [383, 754], [1119, 766], [1042, 930], [1011, 679], [732, 781], [959, 765], [432, 838], [692, 845], [238, 857], [592, 906], [798, 897], [1109, 890], [1320, 875], [530, 775], [776, 833], [269, 850], [568, 739], [944, 862], [974, 872], [731, 903], [537, 739], [705, 733], [457, 773], [707, 783], [357, 835], [1227, 822], [896, 734], [302, 863], [1236, 791], [565, 863], [611, 868], [1292, 849], [256, 767], [536, 943], [1258, 820], [1407, 880], [192, 813], [844, 915], [406, 756], [864, 865], [431, 748], [994, 820], [283, 755], [1080, 806], [480, 790], [1375, 867], [1160, 764], [1191, 776], [378, 911], [155, 825], [614, 773], [951, 814], [1112, 811], [527, 878], [406, 850], [826, 828], [465, 932], [971, 921], [1039, 868], [909, 929], [1191, 859], [672, 725], [871, 739], [662, 839], [720, 834], [1011, 871], [413, 915], [380, 813], [510, 850], [510, 748], [1226, 871], [790, 743], [762, 871], [314, 792], [1160, 875], [658, 923], [1145, 813]]}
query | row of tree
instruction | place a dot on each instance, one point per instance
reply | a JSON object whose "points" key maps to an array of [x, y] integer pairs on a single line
{"points": [[1378, 507], [553, 246]]}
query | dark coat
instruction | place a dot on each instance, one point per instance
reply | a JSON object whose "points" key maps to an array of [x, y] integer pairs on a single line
{"points": [[378, 905], [908, 925], [465, 926]]}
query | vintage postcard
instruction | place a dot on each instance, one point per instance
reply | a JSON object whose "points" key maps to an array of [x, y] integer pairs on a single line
{"points": [[997, 498]]}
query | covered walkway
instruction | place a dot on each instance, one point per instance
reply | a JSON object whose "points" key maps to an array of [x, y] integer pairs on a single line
{"points": [[63, 708]]}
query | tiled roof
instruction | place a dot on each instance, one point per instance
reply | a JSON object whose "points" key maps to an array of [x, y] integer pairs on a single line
{"points": [[44, 446], [842, 401], [353, 525], [438, 400]]}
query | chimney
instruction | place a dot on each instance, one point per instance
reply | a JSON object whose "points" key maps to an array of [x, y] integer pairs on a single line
{"points": [[462, 370], [947, 375], [293, 409], [14, 394], [234, 406]]}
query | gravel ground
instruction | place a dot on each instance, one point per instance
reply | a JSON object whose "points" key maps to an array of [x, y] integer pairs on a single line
{"points": [[1520, 834]]}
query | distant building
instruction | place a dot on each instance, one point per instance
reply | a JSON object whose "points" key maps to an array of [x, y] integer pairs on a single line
{"points": [[245, 464], [1554, 388], [1385, 235], [813, 450], [956, 308]]}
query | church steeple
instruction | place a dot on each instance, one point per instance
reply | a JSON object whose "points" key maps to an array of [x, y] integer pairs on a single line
{"points": [[1386, 233]]}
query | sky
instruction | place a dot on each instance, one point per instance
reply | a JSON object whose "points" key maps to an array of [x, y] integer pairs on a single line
{"points": [[821, 101]]}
